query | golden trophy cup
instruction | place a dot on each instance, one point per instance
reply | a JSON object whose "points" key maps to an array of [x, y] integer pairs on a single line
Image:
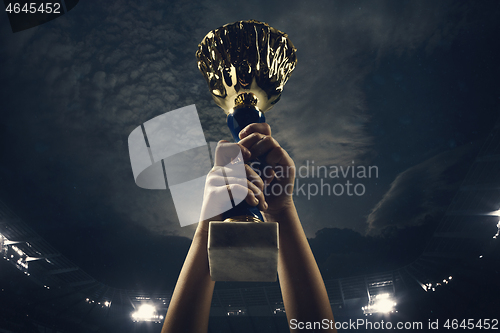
{"points": [[246, 64]]}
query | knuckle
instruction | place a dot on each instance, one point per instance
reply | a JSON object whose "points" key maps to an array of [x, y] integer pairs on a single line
{"points": [[254, 135], [266, 138], [236, 181], [258, 182], [212, 180]]}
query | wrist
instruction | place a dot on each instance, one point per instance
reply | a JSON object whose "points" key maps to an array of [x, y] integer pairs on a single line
{"points": [[281, 213], [202, 229]]}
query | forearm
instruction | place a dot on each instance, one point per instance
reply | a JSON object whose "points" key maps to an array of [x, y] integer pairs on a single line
{"points": [[189, 308], [302, 287]]}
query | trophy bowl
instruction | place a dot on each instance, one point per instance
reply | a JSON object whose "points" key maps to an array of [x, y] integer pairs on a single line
{"points": [[246, 62]]}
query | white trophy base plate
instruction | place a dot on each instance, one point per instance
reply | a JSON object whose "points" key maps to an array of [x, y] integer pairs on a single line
{"points": [[243, 251]]}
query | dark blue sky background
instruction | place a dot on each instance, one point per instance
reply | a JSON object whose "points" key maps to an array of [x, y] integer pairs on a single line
{"points": [[410, 87]]}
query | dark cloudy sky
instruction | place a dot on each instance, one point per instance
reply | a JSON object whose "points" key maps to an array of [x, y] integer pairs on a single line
{"points": [[408, 86]]}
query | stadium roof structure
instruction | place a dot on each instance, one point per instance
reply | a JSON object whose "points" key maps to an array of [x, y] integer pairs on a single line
{"points": [[470, 228], [47, 285]]}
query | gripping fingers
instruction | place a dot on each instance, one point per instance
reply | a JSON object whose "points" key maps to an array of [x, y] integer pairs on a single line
{"points": [[256, 197], [254, 178], [251, 194], [263, 128], [227, 153], [279, 158]]}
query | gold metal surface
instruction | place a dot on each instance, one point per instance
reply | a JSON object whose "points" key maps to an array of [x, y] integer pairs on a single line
{"points": [[245, 99], [246, 57], [243, 218]]}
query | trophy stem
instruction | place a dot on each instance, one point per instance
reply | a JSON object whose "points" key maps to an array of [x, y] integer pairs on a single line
{"points": [[242, 116]]}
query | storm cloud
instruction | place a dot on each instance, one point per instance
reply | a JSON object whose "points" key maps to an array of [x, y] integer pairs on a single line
{"points": [[422, 193]]}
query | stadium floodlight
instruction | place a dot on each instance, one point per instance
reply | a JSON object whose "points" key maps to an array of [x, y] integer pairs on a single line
{"points": [[4, 241], [146, 312], [13, 254], [494, 213], [382, 303]]}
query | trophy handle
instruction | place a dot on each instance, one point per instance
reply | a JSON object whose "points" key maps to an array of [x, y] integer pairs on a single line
{"points": [[236, 121]]}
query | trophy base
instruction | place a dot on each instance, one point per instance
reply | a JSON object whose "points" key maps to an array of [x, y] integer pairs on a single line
{"points": [[243, 251]]}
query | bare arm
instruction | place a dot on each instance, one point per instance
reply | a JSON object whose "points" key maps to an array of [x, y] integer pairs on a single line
{"points": [[189, 308], [302, 287]]}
